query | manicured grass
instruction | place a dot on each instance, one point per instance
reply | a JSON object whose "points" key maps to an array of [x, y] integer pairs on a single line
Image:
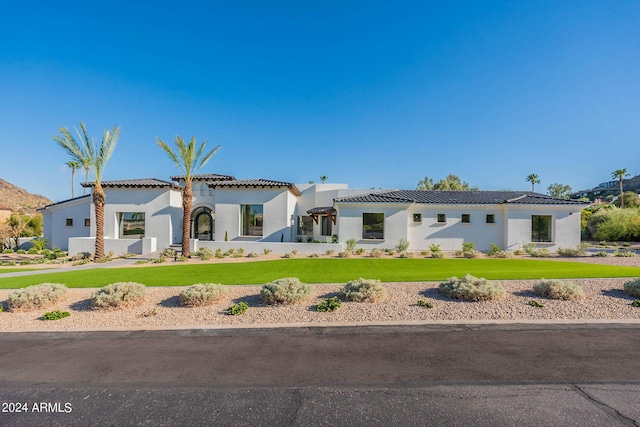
{"points": [[14, 270], [327, 271]]}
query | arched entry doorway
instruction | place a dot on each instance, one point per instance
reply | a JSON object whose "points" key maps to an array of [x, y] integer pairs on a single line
{"points": [[203, 224]]}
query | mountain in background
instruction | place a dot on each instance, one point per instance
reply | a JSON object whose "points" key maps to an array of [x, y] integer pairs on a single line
{"points": [[604, 189], [19, 199]]}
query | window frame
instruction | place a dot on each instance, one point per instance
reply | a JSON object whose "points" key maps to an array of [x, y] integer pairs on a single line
{"points": [[441, 218], [257, 215], [466, 217], [493, 219], [303, 230], [372, 220], [87, 222], [417, 218], [537, 223], [121, 224], [69, 222], [326, 226]]}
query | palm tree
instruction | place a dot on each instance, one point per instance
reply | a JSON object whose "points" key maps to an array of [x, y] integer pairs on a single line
{"points": [[86, 165], [619, 174], [533, 179], [87, 152], [323, 178], [73, 165], [189, 160]]}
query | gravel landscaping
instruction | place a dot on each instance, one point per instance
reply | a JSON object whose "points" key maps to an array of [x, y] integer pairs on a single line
{"points": [[604, 300]]}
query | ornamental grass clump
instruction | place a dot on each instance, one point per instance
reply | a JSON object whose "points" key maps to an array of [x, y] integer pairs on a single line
{"points": [[559, 289], [289, 290], [470, 288], [119, 295], [633, 288], [37, 296], [202, 294], [363, 290]]}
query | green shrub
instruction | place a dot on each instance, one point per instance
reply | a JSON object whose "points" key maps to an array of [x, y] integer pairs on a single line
{"points": [[240, 251], [468, 246], [253, 254], [294, 252], [289, 290], [360, 251], [140, 261], [288, 255], [363, 290], [7, 251], [168, 253], [558, 289], [219, 253], [330, 252], [314, 255], [204, 254], [1, 308], [503, 254], [345, 254], [518, 252], [402, 245], [38, 244], [230, 252], [376, 253], [434, 248], [32, 251], [437, 254], [633, 288], [406, 255], [534, 303], [238, 309], [119, 295], [601, 254], [37, 296], [424, 304], [636, 303], [351, 245], [159, 260], [624, 254], [182, 259], [615, 224], [329, 304], [202, 294], [470, 288], [494, 249], [471, 254], [540, 253], [266, 251], [626, 244], [21, 251], [571, 252], [55, 315]]}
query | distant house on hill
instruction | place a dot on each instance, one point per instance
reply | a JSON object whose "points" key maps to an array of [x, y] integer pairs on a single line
{"points": [[144, 215]]}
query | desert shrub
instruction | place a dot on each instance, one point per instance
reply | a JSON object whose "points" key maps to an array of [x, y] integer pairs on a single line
{"points": [[359, 251], [471, 254], [202, 294], [534, 303], [140, 261], [288, 255], [314, 255], [540, 253], [7, 251], [636, 303], [240, 251], [345, 254], [86, 261], [626, 244], [601, 254], [376, 253], [32, 251], [329, 252], [633, 288], [402, 245], [406, 255], [503, 254], [119, 295], [238, 309], [424, 304], [571, 252], [219, 253], [204, 254], [518, 252], [294, 252], [351, 245], [437, 254], [159, 260], [329, 304], [558, 289], [289, 290], [494, 249], [168, 253], [615, 224], [253, 254], [21, 252], [9, 263], [38, 244], [434, 248], [182, 259], [390, 252], [37, 296], [363, 290], [266, 251], [624, 254], [468, 246], [55, 315], [1, 308], [230, 252], [470, 288]]}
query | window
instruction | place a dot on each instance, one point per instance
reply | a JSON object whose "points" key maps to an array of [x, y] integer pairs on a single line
{"points": [[326, 225], [417, 217], [373, 226], [466, 218], [69, 222], [251, 220], [305, 226], [131, 225], [87, 222], [491, 219], [540, 228], [442, 217]]}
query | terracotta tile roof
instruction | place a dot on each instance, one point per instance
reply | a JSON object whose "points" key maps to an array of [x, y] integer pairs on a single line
{"points": [[264, 183], [135, 183], [205, 177], [458, 198]]}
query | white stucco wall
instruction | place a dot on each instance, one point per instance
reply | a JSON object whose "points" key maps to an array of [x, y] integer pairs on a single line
{"points": [[350, 224], [565, 222], [56, 232]]}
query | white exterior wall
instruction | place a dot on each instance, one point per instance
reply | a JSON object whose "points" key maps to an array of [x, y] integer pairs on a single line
{"points": [[565, 222], [54, 219], [278, 205], [350, 224]]}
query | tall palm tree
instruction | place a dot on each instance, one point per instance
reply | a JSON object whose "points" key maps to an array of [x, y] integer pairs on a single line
{"points": [[533, 179], [189, 160], [86, 165], [620, 174], [324, 178], [88, 152], [73, 165]]}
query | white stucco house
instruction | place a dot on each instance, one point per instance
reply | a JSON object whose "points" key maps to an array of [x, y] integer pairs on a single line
{"points": [[144, 215]]}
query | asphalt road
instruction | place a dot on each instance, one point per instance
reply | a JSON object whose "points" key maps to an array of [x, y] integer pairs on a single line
{"points": [[419, 375]]}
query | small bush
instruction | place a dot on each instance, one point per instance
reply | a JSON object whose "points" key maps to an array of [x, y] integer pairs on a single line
{"points": [[289, 290], [238, 309], [1, 308], [182, 259], [402, 245], [468, 246], [376, 253], [633, 288], [294, 252], [266, 251], [219, 253], [329, 252], [240, 251], [471, 254], [558, 289], [494, 249], [314, 255], [202, 294], [434, 248], [470, 288], [230, 251], [345, 254], [253, 255], [37, 296], [119, 295], [424, 304], [437, 254], [168, 253], [624, 254], [601, 254], [159, 260], [329, 304], [351, 245], [363, 290], [288, 255], [503, 254], [534, 303], [518, 252], [540, 253], [32, 251], [360, 251], [142, 261], [406, 254], [204, 254], [55, 315], [7, 251], [571, 252], [21, 252], [636, 303]]}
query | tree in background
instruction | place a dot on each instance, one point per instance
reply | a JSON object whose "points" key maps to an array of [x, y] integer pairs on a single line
{"points": [[559, 191], [22, 225], [89, 152], [629, 199], [533, 179], [450, 183], [620, 174], [189, 160], [324, 178], [73, 165]]}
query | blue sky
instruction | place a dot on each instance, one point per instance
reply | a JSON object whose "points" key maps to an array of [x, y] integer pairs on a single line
{"points": [[373, 94]]}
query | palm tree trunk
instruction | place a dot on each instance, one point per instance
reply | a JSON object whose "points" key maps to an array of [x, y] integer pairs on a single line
{"points": [[86, 179], [187, 202], [73, 178], [98, 202], [621, 198]]}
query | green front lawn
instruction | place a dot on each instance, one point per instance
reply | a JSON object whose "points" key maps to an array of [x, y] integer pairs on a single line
{"points": [[19, 269], [326, 271]]}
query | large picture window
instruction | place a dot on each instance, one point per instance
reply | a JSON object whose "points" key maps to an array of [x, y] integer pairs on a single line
{"points": [[131, 225], [373, 226], [540, 228], [251, 220], [325, 225], [305, 226]]}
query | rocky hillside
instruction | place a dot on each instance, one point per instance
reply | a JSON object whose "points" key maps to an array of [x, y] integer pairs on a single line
{"points": [[18, 199]]}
